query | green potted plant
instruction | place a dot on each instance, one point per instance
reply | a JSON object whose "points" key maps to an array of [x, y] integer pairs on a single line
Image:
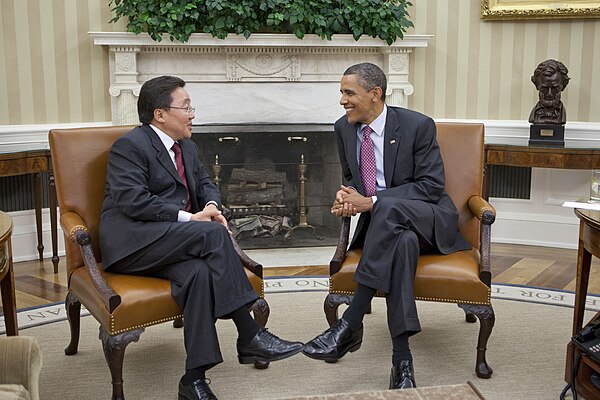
{"points": [[384, 19]]}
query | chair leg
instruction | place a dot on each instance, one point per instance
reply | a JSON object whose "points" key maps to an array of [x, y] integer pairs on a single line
{"points": [[486, 317], [331, 305], [73, 308], [469, 317], [260, 309], [178, 322], [114, 351]]}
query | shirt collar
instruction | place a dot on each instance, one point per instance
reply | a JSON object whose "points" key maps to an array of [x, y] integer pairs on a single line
{"points": [[164, 138], [378, 124]]}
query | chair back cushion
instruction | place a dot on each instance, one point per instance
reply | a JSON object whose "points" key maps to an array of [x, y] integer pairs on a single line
{"points": [[461, 146], [79, 160]]}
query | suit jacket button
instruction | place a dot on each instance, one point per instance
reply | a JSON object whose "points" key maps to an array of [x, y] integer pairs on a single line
{"points": [[184, 202]]}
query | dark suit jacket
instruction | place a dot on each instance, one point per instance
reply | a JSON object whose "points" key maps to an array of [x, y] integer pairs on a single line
{"points": [[144, 193], [413, 169]]}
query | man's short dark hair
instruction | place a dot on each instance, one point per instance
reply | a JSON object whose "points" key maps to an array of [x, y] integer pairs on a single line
{"points": [[369, 76], [156, 93]]}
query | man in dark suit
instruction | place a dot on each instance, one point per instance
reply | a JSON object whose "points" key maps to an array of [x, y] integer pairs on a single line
{"points": [[394, 177], [160, 217]]}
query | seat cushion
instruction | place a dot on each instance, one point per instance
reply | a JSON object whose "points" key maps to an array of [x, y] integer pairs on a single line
{"points": [[450, 278], [145, 301]]}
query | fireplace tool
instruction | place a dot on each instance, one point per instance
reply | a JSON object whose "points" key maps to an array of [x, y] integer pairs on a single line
{"points": [[303, 221], [217, 170]]}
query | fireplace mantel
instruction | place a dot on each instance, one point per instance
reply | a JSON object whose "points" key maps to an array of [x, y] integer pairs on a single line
{"points": [[267, 78]]}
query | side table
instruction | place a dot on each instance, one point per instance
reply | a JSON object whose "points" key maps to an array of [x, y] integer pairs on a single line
{"points": [[7, 280], [538, 157], [589, 245], [35, 162]]}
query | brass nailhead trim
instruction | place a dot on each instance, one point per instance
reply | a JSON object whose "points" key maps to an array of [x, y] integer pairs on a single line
{"points": [[483, 210], [77, 228], [428, 298], [160, 321]]}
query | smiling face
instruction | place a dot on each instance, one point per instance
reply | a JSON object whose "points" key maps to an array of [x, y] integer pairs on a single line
{"points": [[175, 120], [362, 104]]}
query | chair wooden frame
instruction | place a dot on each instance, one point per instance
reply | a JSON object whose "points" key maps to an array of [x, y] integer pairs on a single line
{"points": [[476, 216], [79, 159]]}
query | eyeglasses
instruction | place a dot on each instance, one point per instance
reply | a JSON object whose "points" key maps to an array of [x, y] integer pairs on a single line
{"points": [[189, 109]]}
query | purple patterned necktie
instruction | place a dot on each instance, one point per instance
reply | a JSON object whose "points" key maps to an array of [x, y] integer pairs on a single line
{"points": [[181, 171], [368, 167]]}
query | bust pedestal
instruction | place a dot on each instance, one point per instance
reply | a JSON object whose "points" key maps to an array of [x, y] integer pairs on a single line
{"points": [[547, 135]]}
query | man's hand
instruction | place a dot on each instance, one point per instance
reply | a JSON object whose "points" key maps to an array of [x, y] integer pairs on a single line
{"points": [[210, 213], [349, 202]]}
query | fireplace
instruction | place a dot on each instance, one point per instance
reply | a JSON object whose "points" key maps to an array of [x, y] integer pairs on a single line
{"points": [[264, 113], [277, 181]]}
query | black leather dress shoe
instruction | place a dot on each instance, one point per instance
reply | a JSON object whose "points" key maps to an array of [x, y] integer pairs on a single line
{"points": [[403, 376], [335, 342], [197, 390], [266, 347]]}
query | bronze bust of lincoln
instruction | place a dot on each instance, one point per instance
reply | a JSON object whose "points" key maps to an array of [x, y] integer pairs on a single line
{"points": [[550, 78]]}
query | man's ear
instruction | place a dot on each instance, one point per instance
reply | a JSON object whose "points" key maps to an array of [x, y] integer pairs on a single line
{"points": [[377, 93], [159, 115]]}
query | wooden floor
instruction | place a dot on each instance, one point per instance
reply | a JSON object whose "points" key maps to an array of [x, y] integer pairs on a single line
{"points": [[36, 284]]}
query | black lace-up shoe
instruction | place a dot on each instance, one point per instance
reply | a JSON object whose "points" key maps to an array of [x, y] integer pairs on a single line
{"points": [[403, 376], [197, 390], [266, 347], [335, 342]]}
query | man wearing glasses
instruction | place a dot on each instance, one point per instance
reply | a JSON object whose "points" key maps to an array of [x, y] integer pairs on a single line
{"points": [[160, 217]]}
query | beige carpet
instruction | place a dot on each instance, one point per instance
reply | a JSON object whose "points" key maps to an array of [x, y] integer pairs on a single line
{"points": [[526, 351]]}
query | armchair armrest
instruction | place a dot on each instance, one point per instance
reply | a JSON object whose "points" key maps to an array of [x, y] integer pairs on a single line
{"points": [[78, 232], [487, 215], [247, 262], [340, 252], [482, 209]]}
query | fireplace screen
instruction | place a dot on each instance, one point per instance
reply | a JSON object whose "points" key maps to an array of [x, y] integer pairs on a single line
{"points": [[277, 181]]}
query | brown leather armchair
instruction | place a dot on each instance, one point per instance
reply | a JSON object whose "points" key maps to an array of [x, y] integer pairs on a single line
{"points": [[463, 277], [123, 304]]}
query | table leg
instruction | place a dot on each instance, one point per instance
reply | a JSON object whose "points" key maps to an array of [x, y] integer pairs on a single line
{"points": [[9, 302], [53, 219], [584, 261], [38, 213]]}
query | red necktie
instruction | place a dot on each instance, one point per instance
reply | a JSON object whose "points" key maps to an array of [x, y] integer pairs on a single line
{"points": [[181, 171], [368, 166]]}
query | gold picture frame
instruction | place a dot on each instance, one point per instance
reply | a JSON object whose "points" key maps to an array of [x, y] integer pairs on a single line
{"points": [[539, 9]]}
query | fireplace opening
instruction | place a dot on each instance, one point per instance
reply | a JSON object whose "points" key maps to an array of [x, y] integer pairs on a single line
{"points": [[277, 181]]}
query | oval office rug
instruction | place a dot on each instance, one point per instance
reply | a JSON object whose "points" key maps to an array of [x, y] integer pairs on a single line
{"points": [[526, 351], [291, 284]]}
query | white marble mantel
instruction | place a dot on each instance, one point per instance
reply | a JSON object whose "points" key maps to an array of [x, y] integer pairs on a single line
{"points": [[267, 78]]}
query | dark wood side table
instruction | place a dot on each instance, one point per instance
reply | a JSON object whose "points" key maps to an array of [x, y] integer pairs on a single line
{"points": [[589, 245], [7, 281], [540, 157], [35, 162]]}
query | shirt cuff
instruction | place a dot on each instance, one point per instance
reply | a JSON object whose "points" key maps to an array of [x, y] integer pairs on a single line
{"points": [[183, 216], [212, 202], [374, 199]]}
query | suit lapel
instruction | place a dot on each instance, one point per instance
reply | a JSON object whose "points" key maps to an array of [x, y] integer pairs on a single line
{"points": [[162, 155], [391, 144]]}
